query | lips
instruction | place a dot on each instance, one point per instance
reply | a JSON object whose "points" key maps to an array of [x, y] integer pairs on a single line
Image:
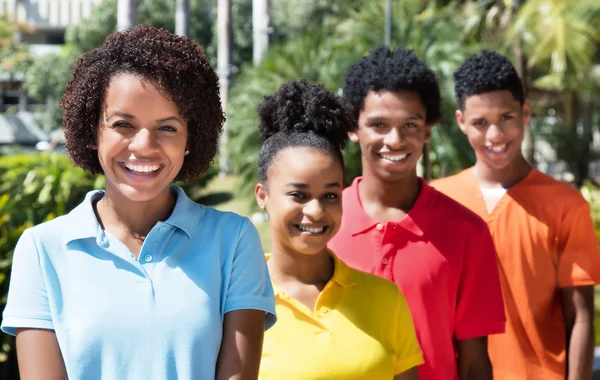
{"points": [[393, 157], [311, 230], [141, 170], [497, 150]]}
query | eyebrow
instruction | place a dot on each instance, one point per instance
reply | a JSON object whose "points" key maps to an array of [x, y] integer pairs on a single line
{"points": [[301, 185], [417, 116], [131, 117]]}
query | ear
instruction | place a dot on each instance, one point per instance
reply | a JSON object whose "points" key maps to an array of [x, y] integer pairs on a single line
{"points": [[261, 195], [526, 109], [427, 133], [460, 120], [353, 136]]}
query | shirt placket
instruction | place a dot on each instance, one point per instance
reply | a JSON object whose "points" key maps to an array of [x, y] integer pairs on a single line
{"points": [[387, 255]]}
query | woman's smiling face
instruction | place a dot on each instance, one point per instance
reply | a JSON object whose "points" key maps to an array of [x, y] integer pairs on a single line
{"points": [[141, 139]]}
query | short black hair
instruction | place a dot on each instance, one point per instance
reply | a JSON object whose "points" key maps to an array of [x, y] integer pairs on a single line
{"points": [[302, 114], [401, 70], [487, 72], [179, 69]]}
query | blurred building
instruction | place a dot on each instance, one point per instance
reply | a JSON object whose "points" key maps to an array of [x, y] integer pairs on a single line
{"points": [[48, 21]]}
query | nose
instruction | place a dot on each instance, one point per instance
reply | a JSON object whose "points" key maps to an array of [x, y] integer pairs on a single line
{"points": [[314, 209], [494, 133], [144, 141], [393, 139]]}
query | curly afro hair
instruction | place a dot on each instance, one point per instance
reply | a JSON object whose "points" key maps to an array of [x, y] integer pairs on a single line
{"points": [[302, 114], [401, 70], [487, 72], [179, 69]]}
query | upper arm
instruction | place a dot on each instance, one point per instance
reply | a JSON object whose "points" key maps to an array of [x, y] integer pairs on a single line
{"points": [[577, 304], [249, 285], [241, 346], [579, 258], [480, 307], [39, 355], [473, 360], [27, 304], [411, 374]]}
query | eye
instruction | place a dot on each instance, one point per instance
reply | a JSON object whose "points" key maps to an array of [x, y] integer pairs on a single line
{"points": [[167, 128], [297, 195], [479, 122], [121, 124], [331, 196], [506, 117], [411, 125], [376, 125]]}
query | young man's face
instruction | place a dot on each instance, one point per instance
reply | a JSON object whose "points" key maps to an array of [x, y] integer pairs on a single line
{"points": [[494, 123], [391, 132]]}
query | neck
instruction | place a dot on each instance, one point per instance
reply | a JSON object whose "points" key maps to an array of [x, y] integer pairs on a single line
{"points": [[136, 218], [285, 266], [505, 177], [401, 194]]}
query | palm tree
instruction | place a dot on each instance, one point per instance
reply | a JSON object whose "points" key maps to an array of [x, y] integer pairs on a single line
{"points": [[125, 14], [182, 18]]}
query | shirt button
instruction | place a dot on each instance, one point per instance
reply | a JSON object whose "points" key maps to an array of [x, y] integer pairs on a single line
{"points": [[162, 229], [324, 310], [379, 226], [148, 258], [385, 261]]}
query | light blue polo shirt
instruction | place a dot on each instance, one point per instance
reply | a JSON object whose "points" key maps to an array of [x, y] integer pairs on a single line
{"points": [[156, 317]]}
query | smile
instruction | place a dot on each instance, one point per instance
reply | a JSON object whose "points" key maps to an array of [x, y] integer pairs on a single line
{"points": [[393, 158], [497, 148], [141, 169], [311, 230]]}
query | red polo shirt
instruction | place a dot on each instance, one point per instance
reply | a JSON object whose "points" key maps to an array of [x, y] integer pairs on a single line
{"points": [[442, 257]]}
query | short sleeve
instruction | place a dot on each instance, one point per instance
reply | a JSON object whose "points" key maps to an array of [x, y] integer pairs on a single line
{"points": [[480, 307], [579, 259], [27, 305], [407, 348], [250, 285]]}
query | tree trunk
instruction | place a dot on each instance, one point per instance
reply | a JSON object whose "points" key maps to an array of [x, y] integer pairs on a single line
{"points": [[182, 18], [427, 170], [224, 33], [261, 10], [125, 14]]}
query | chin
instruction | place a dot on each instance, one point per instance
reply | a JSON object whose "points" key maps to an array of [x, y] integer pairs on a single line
{"points": [[138, 194]]}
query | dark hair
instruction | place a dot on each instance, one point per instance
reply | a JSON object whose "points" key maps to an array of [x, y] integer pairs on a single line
{"points": [[486, 72], [175, 64], [302, 114], [401, 70]]}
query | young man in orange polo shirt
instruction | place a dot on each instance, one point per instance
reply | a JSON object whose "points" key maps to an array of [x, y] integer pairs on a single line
{"points": [[394, 225], [547, 251]]}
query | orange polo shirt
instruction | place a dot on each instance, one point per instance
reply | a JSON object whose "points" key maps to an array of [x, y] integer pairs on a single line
{"points": [[545, 241]]}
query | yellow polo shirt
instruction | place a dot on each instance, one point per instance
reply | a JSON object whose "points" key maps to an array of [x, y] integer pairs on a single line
{"points": [[361, 329]]}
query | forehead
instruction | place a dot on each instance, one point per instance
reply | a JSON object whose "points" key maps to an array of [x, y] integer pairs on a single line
{"points": [[391, 105], [132, 92], [306, 165], [494, 101]]}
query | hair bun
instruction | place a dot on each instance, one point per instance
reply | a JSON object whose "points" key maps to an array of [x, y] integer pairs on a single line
{"points": [[303, 107]]}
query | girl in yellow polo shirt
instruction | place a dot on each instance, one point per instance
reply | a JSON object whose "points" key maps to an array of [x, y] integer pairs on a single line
{"points": [[334, 322]]}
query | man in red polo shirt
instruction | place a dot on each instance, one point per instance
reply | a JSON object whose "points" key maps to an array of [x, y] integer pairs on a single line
{"points": [[440, 254]]}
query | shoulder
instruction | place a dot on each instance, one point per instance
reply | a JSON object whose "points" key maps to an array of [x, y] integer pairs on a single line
{"points": [[541, 186], [377, 288], [454, 213], [451, 184]]}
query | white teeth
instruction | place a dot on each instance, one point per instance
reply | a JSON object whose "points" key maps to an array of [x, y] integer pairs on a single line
{"points": [[394, 158], [497, 148], [311, 230], [142, 168]]}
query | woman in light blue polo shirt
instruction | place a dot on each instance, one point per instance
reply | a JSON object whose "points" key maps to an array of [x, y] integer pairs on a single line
{"points": [[138, 281]]}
